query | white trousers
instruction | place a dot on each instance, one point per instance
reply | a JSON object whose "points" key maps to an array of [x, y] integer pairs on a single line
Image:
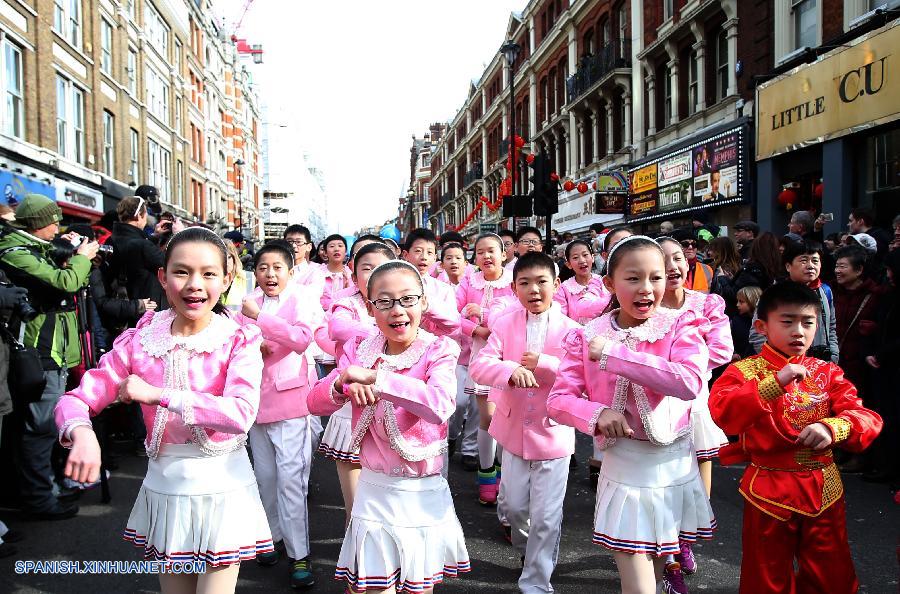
{"points": [[464, 422], [282, 455], [533, 492]]}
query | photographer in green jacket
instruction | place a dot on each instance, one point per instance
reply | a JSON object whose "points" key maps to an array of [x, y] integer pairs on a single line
{"points": [[52, 328]]}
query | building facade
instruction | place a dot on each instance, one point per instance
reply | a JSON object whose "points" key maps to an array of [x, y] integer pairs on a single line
{"points": [[109, 95], [652, 104]]}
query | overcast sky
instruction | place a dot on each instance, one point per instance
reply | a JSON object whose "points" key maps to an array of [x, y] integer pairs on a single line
{"points": [[360, 77]]}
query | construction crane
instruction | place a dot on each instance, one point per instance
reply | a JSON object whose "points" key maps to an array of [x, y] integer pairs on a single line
{"points": [[255, 51]]}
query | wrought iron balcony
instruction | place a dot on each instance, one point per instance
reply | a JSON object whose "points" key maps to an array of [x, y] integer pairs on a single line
{"points": [[592, 69], [446, 197], [474, 174]]}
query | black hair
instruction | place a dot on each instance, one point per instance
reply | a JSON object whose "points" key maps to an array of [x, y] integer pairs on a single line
{"points": [[200, 235], [294, 229], [786, 293], [392, 266], [795, 249], [451, 237], [506, 233], [368, 237], [418, 234], [629, 246], [335, 237], [452, 246], [523, 230], [376, 247], [277, 246], [857, 256], [596, 228], [491, 236], [609, 234], [575, 242], [863, 214], [533, 260]]}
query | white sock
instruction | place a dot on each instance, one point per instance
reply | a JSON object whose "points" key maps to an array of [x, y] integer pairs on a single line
{"points": [[487, 448]]}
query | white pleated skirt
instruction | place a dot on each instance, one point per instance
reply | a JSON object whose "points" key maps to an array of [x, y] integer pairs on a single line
{"points": [[650, 497], [403, 533], [194, 507], [708, 437], [337, 440]]}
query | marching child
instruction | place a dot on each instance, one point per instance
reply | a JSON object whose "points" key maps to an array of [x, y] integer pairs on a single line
{"points": [[403, 532], [349, 320], [442, 317], [337, 277], [520, 362], [790, 410], [453, 264], [585, 285], [196, 374], [473, 299], [708, 437], [281, 438], [639, 366]]}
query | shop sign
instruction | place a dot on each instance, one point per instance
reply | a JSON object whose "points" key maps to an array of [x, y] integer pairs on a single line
{"points": [[674, 196], [715, 170], [79, 196], [643, 203], [848, 89], [643, 179], [675, 169], [15, 187]]}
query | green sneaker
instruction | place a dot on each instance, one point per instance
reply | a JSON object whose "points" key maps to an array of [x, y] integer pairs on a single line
{"points": [[301, 574], [268, 559]]}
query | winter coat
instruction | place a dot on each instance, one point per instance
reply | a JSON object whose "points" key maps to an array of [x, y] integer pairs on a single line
{"points": [[137, 259]]}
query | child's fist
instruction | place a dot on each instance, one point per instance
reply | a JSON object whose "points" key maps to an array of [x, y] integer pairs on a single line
{"points": [[816, 436], [83, 463], [612, 423], [523, 378], [529, 360], [361, 395], [250, 308], [595, 348], [135, 389], [355, 374], [791, 372]]}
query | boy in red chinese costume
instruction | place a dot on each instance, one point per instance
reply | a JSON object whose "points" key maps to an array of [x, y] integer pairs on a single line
{"points": [[790, 410]]}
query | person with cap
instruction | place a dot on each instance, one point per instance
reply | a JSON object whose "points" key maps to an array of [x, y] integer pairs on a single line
{"points": [[53, 331], [699, 276], [240, 244], [136, 259], [865, 241], [744, 234]]}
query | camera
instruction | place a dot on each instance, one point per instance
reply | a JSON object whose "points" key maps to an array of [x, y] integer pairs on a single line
{"points": [[23, 309]]}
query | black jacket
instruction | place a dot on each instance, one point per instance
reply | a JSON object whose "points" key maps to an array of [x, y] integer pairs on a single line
{"points": [[115, 314], [137, 259]]}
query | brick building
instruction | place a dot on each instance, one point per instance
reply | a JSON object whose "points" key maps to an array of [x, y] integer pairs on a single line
{"points": [[105, 96]]}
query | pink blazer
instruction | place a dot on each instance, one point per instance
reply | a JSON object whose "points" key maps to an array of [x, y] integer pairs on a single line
{"points": [[329, 290], [476, 289], [442, 317], [521, 422], [287, 333], [583, 304], [349, 319], [405, 433], [211, 379], [650, 373], [718, 332]]}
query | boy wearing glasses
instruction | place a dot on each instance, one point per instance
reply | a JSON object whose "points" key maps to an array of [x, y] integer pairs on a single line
{"points": [[699, 276], [300, 241], [528, 239]]}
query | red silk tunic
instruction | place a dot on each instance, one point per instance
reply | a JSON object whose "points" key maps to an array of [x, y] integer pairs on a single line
{"points": [[783, 477]]}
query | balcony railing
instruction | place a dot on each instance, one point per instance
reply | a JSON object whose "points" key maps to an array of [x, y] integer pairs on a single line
{"points": [[446, 197], [474, 174], [591, 69]]}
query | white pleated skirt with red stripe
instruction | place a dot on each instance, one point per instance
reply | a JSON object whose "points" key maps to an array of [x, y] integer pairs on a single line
{"points": [[195, 507], [337, 440], [650, 497]]}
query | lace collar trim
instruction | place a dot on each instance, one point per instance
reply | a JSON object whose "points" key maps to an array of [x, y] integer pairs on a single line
{"points": [[157, 339], [693, 301], [478, 281], [574, 287], [371, 349], [656, 328]]}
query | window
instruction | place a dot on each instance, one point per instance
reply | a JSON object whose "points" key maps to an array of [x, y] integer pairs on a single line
{"points": [[804, 15], [69, 120], [130, 9], [159, 163], [179, 183], [178, 114], [176, 58], [157, 96], [14, 116], [668, 9], [693, 95], [667, 96], [106, 46], [131, 71], [67, 20], [622, 20], [884, 155], [109, 140], [721, 65], [135, 158], [157, 30]]}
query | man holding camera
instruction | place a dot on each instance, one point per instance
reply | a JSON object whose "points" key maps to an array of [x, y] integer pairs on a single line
{"points": [[52, 329], [136, 259]]}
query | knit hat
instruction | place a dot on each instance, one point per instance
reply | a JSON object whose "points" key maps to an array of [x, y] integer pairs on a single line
{"points": [[36, 211]]}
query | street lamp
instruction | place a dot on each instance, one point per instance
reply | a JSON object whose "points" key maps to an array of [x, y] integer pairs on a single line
{"points": [[238, 180], [510, 51]]}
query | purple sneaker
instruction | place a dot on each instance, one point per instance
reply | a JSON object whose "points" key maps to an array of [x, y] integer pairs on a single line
{"points": [[686, 558], [673, 580]]}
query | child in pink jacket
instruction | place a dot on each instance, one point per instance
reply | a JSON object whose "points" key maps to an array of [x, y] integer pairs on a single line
{"points": [[281, 439], [520, 362], [403, 532]]}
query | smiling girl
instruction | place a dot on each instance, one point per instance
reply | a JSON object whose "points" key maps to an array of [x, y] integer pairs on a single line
{"points": [[403, 532], [584, 286], [196, 374], [473, 299], [640, 366]]}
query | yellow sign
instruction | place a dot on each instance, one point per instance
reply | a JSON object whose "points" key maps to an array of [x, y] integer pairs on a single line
{"points": [[849, 88], [643, 179]]}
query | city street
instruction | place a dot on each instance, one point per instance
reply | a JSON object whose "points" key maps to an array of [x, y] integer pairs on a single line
{"points": [[873, 521]]}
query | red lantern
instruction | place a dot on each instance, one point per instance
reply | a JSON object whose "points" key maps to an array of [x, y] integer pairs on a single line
{"points": [[554, 177], [818, 191], [787, 198], [568, 185], [518, 141], [594, 186], [582, 187], [529, 158]]}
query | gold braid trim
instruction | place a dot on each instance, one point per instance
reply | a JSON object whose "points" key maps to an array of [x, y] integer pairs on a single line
{"points": [[832, 486], [769, 389], [752, 367], [840, 428]]}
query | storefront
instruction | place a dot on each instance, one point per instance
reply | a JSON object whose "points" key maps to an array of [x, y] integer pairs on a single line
{"points": [[702, 178], [828, 131], [17, 180], [603, 204], [78, 202]]}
